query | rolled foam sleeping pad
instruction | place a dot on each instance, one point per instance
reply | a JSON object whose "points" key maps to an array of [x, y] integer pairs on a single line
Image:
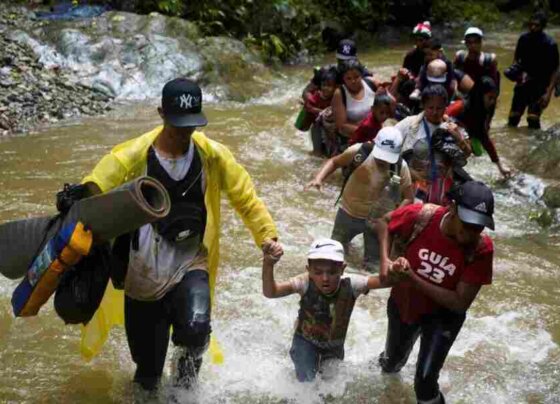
{"points": [[20, 241], [122, 210]]}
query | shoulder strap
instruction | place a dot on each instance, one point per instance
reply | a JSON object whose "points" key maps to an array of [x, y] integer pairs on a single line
{"points": [[487, 59], [343, 92], [433, 173], [371, 85], [395, 168], [361, 155], [426, 213], [460, 58]]}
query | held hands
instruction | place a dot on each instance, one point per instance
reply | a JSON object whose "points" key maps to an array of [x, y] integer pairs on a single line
{"points": [[399, 269], [272, 251], [403, 74]]}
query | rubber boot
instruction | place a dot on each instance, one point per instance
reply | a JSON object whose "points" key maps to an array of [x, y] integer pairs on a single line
{"points": [[534, 122], [188, 366], [513, 121]]}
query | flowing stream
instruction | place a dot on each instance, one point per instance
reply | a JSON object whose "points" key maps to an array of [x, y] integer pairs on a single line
{"points": [[507, 352]]}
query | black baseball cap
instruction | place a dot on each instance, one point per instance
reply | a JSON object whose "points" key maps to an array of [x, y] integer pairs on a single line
{"points": [[346, 50], [181, 102], [475, 203]]}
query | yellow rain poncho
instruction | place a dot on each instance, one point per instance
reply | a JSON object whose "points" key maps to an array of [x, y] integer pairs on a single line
{"points": [[127, 161]]}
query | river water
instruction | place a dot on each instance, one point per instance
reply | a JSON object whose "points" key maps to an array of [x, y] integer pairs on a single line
{"points": [[507, 352]]}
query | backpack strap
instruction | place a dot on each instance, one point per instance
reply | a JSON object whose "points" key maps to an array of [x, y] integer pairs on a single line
{"points": [[370, 84], [426, 213], [360, 156], [487, 59], [460, 57], [395, 168], [400, 244]]}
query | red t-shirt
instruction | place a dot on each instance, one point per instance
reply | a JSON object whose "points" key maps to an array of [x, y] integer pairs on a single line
{"points": [[436, 259], [366, 131], [456, 108], [315, 100]]}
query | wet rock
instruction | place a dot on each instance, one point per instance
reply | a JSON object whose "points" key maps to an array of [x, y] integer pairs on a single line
{"points": [[551, 196], [545, 218], [30, 93], [229, 62], [544, 159]]}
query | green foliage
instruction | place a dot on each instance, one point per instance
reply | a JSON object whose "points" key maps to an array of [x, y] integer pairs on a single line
{"points": [[475, 12], [170, 7], [174, 8]]}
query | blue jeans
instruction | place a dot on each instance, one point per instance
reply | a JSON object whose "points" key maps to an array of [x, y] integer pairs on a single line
{"points": [[347, 227], [308, 358]]}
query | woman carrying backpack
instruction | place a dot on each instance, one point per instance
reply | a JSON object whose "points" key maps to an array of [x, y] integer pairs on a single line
{"points": [[352, 101]]}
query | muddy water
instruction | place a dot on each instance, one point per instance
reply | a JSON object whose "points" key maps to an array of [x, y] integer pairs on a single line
{"points": [[508, 350]]}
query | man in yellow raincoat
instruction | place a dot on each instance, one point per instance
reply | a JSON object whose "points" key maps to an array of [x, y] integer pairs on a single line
{"points": [[172, 263]]}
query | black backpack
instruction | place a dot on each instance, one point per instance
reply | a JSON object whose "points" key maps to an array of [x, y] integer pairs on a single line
{"points": [[363, 152], [82, 286]]}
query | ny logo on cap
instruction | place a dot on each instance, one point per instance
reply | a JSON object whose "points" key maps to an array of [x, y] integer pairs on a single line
{"points": [[481, 207], [346, 49], [186, 101]]}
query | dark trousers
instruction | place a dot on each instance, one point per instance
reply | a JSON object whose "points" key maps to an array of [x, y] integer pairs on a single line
{"points": [[527, 96], [347, 227], [187, 308], [437, 333], [308, 358]]}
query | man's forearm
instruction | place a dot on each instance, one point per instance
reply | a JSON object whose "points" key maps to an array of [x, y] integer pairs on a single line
{"points": [[445, 297]]}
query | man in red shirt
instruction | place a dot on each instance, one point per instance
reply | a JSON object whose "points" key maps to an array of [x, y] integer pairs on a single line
{"points": [[447, 260]]}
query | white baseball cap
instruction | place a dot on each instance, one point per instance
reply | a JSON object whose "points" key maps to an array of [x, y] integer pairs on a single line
{"points": [[388, 145], [326, 249], [437, 79], [473, 31]]}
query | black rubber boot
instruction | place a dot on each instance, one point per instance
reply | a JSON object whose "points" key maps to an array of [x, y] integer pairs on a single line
{"points": [[513, 121], [187, 370], [534, 123]]}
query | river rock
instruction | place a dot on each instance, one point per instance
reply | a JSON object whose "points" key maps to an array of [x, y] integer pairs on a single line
{"points": [[551, 196], [77, 67], [228, 63], [544, 159], [24, 102]]}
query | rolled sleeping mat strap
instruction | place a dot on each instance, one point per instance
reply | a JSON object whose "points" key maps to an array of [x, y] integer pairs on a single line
{"points": [[90, 221]]}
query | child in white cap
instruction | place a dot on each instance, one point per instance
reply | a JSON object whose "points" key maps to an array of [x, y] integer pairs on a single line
{"points": [[327, 301]]}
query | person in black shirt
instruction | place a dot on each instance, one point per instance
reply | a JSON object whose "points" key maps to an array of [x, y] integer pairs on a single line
{"points": [[414, 59], [535, 69]]}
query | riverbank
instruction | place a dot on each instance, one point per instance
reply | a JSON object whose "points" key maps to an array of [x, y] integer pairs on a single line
{"points": [[32, 94]]}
